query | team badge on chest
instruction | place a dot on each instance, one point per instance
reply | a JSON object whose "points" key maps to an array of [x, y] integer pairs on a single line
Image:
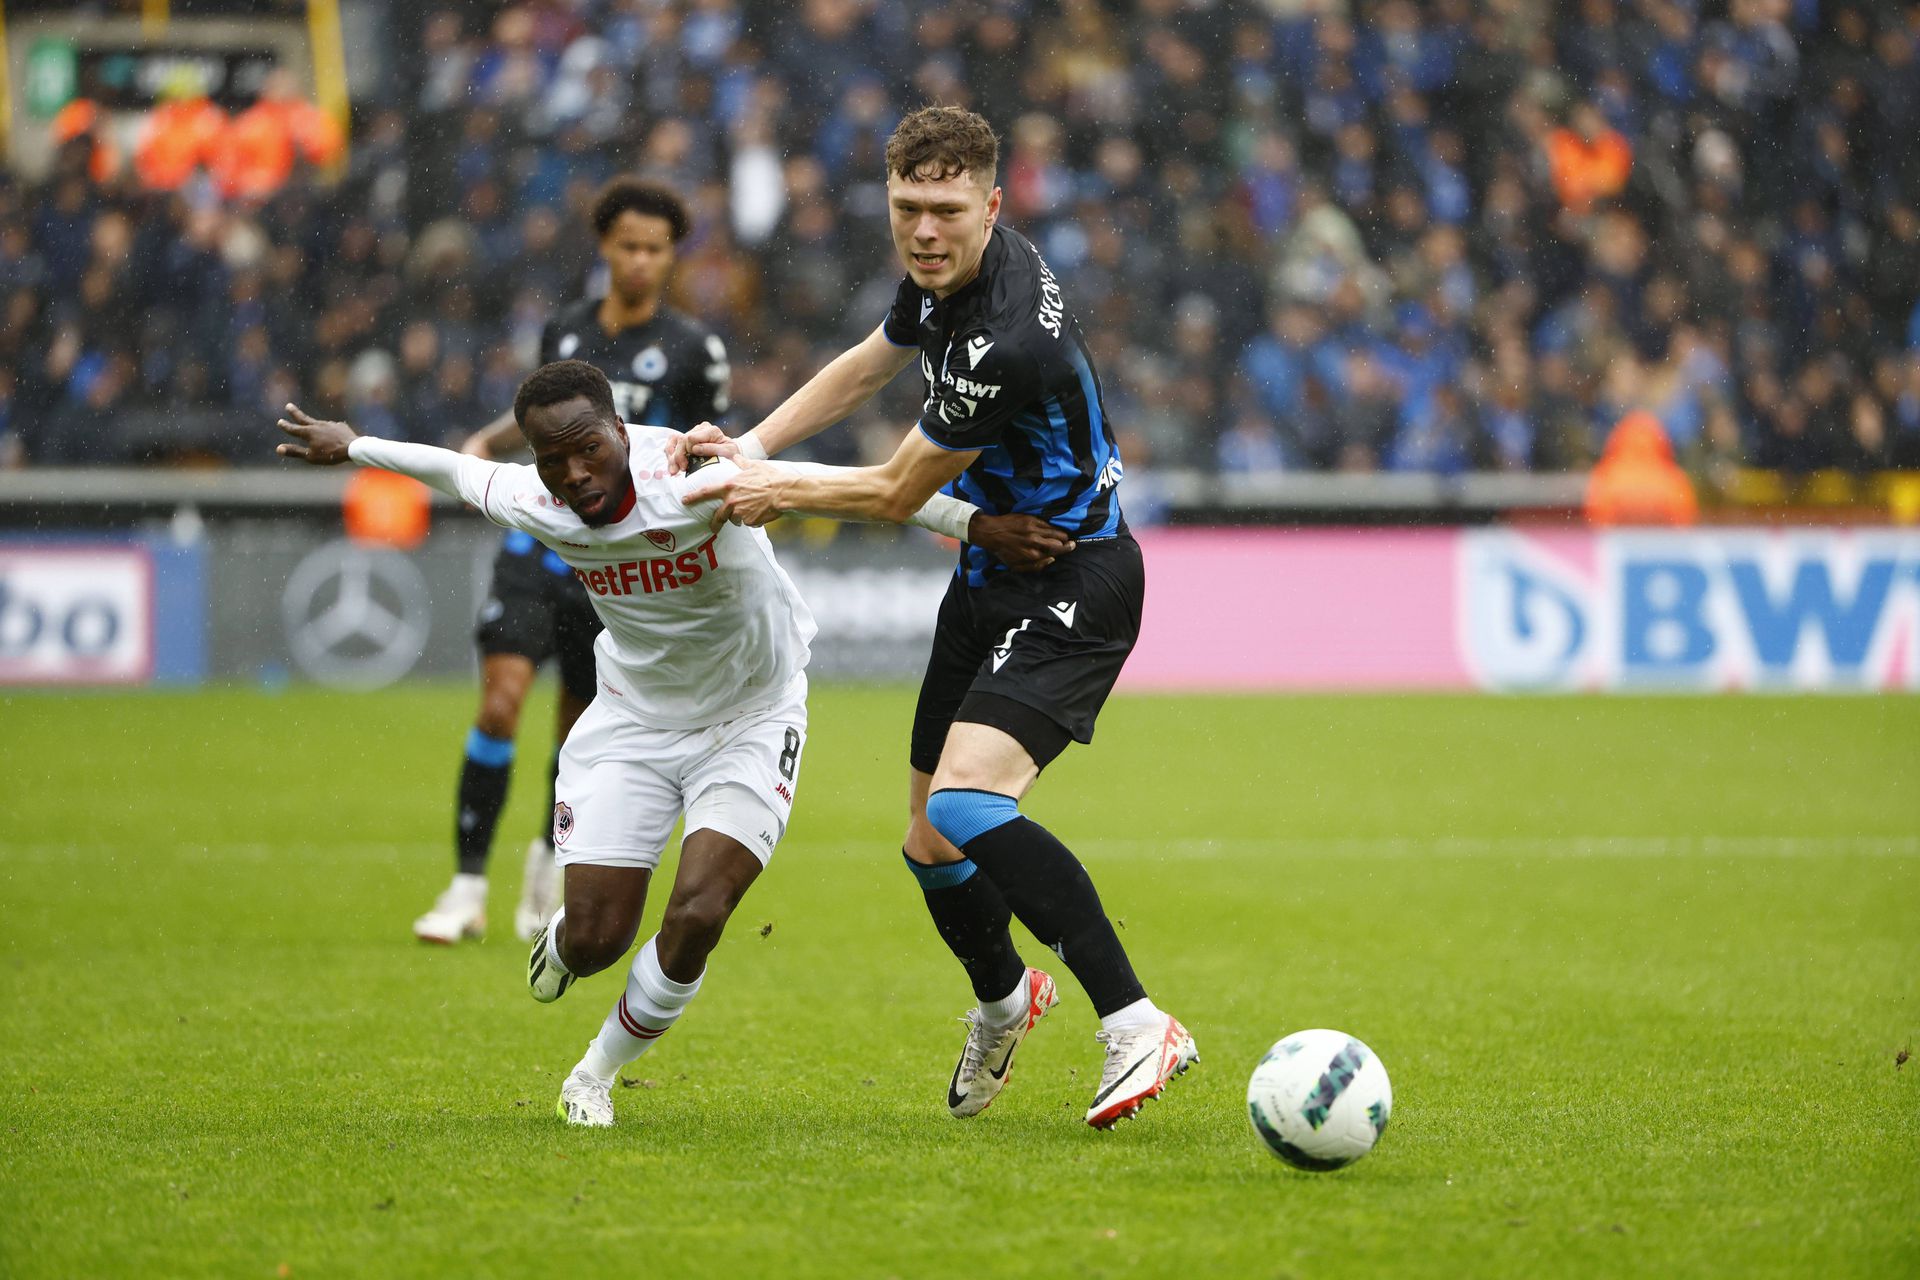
{"points": [[660, 538]]}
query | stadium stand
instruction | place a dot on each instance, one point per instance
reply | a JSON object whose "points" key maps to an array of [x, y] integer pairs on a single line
{"points": [[1302, 235]]}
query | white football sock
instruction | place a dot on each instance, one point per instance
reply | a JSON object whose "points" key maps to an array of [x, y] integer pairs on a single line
{"points": [[1141, 1013], [1008, 1009], [470, 887], [553, 941], [651, 1003]]}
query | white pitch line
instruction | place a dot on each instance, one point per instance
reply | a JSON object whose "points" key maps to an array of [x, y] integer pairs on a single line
{"points": [[1287, 847]]}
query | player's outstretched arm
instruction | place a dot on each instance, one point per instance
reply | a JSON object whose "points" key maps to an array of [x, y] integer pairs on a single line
{"points": [[852, 379], [325, 444]]}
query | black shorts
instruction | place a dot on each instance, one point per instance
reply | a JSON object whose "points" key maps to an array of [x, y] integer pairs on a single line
{"points": [[1032, 654], [536, 612]]}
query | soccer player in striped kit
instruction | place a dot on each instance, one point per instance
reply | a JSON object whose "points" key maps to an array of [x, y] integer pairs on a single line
{"points": [[1021, 663]]}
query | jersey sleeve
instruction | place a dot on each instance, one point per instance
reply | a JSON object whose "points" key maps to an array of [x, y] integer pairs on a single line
{"points": [[984, 387], [902, 325], [687, 481], [475, 481]]}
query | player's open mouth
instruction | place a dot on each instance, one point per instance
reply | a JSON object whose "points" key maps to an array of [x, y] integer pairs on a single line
{"points": [[930, 261], [587, 504]]}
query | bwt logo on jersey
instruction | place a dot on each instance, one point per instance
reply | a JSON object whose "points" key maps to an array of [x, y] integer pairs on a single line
{"points": [[1691, 610], [645, 577]]}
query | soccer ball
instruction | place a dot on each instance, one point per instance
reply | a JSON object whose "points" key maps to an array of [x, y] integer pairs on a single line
{"points": [[1319, 1099]]}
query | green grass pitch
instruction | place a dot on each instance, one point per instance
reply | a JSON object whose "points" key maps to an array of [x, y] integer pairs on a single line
{"points": [[1641, 971]]}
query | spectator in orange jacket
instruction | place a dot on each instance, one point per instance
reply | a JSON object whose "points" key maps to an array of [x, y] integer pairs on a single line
{"points": [[82, 118], [1637, 481], [177, 137], [1589, 160], [257, 155]]}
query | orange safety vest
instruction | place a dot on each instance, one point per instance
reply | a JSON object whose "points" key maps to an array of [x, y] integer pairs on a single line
{"points": [[177, 138], [1587, 171], [82, 118], [257, 155], [1637, 481]]}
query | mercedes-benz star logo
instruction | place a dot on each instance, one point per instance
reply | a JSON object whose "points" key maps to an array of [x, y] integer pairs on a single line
{"points": [[357, 617]]}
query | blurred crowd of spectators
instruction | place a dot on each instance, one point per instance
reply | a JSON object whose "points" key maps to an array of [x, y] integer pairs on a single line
{"points": [[1300, 234]]}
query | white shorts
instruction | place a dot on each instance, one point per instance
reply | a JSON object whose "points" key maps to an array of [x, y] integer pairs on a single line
{"points": [[623, 785]]}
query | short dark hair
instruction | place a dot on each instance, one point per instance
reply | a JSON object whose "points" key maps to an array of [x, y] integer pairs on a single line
{"points": [[937, 143], [561, 381], [636, 195]]}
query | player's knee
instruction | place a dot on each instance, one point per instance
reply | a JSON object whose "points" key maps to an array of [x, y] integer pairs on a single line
{"points": [[591, 941], [924, 845], [695, 919], [961, 815], [499, 714]]}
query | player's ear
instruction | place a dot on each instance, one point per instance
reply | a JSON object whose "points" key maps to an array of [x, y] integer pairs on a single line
{"points": [[993, 207], [620, 429]]}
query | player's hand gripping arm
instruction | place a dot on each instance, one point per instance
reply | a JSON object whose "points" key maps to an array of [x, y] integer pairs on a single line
{"points": [[852, 379], [896, 492], [327, 444], [1021, 542]]}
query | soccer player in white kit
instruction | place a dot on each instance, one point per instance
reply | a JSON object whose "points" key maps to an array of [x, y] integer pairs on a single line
{"points": [[701, 707]]}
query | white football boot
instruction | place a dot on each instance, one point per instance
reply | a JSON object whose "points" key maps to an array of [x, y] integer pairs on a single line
{"points": [[585, 1100], [1141, 1061], [986, 1058], [539, 890], [459, 912], [545, 979]]}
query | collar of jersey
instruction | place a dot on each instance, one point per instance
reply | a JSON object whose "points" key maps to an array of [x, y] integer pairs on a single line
{"points": [[626, 508], [989, 259]]}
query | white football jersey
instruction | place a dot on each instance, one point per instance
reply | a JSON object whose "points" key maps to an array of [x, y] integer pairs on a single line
{"points": [[701, 627]]}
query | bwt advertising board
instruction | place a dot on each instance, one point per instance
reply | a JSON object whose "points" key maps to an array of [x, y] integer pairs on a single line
{"points": [[1509, 610]]}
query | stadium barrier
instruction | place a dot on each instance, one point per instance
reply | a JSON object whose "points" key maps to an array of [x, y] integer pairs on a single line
{"points": [[180, 576], [1496, 608]]}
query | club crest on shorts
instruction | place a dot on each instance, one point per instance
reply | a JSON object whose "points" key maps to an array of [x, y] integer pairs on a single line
{"points": [[660, 538], [562, 821]]}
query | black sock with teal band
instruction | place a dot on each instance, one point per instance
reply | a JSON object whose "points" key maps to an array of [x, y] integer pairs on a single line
{"points": [[1044, 885], [972, 919], [484, 775]]}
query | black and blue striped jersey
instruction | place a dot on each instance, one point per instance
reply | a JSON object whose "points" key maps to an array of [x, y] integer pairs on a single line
{"points": [[1009, 374], [669, 372]]}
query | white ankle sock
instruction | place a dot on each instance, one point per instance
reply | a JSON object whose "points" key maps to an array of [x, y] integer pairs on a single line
{"points": [[650, 1005], [1008, 1009], [553, 941], [470, 886], [1140, 1013]]}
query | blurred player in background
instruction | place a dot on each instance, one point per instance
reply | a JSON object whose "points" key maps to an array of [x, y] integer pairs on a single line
{"points": [[701, 666], [1021, 663], [666, 370]]}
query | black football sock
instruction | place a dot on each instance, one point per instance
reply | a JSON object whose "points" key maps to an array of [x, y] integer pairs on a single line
{"points": [[484, 775], [972, 919], [1045, 886]]}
